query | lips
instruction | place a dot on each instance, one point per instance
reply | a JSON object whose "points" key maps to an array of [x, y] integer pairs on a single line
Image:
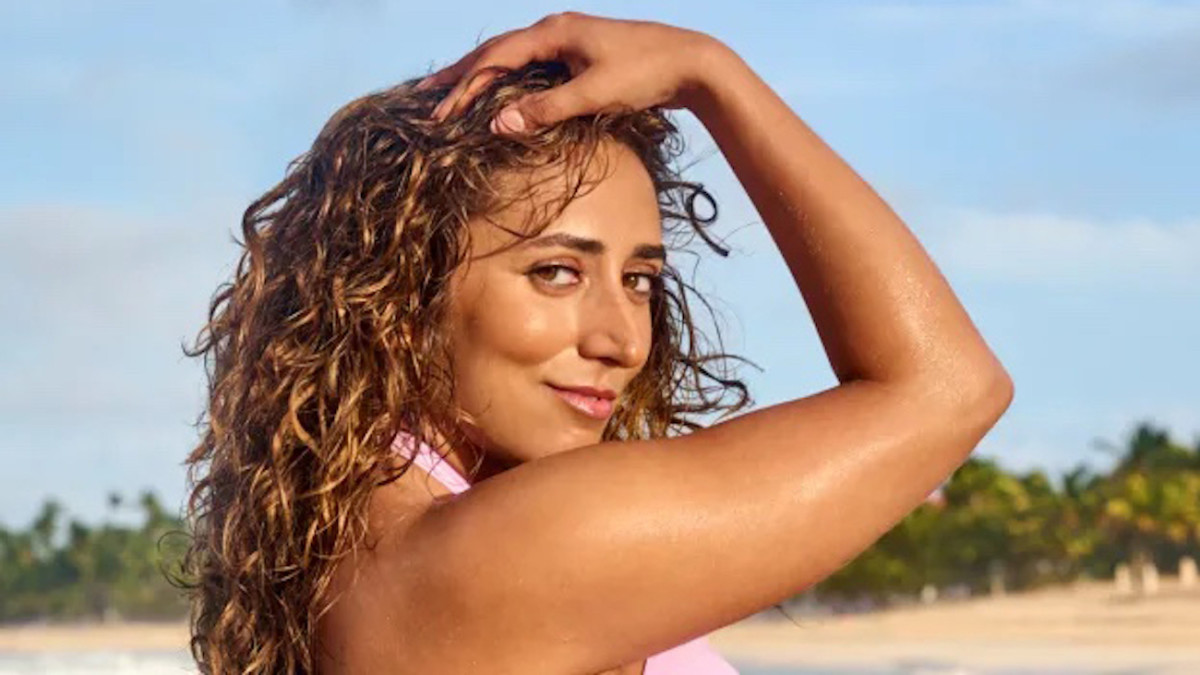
{"points": [[594, 403]]}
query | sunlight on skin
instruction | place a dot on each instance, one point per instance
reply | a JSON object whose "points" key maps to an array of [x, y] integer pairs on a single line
{"points": [[518, 324]]}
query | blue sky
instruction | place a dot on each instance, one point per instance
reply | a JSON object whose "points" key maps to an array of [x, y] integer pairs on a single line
{"points": [[1045, 153]]}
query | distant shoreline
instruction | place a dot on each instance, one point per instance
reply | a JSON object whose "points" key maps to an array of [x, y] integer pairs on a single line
{"points": [[117, 636], [1080, 626], [1085, 625]]}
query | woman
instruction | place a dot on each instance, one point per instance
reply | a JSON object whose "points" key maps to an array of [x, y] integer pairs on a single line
{"points": [[479, 298]]}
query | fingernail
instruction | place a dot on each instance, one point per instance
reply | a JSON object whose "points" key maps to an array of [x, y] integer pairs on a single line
{"points": [[509, 119]]}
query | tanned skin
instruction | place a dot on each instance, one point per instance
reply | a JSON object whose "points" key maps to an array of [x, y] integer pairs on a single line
{"points": [[590, 559]]}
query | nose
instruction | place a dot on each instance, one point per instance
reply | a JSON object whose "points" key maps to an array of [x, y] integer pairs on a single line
{"points": [[612, 326]]}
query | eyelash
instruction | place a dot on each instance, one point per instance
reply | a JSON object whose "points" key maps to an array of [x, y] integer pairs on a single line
{"points": [[654, 278]]}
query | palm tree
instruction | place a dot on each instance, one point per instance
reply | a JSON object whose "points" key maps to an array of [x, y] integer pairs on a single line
{"points": [[1152, 497]]}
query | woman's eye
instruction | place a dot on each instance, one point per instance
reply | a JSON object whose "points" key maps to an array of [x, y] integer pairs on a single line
{"points": [[561, 276], [644, 282], [554, 274]]}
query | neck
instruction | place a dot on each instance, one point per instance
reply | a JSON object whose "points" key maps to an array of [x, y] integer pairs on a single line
{"points": [[464, 459], [490, 466]]}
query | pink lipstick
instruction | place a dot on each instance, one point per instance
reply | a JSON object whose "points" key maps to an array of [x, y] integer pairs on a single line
{"points": [[597, 407]]}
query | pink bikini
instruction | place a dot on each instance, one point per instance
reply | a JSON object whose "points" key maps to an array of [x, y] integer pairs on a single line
{"points": [[690, 658]]}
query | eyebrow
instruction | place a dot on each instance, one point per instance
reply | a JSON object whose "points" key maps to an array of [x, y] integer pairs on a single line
{"points": [[595, 247]]}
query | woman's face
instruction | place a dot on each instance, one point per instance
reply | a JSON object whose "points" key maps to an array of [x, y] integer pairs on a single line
{"points": [[569, 308]]}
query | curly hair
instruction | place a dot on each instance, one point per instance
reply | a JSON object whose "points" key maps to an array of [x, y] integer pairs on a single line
{"points": [[328, 340]]}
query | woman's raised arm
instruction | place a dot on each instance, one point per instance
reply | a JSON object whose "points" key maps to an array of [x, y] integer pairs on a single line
{"points": [[595, 557], [882, 309]]}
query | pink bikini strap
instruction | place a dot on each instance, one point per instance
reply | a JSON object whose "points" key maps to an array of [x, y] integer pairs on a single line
{"points": [[430, 461]]}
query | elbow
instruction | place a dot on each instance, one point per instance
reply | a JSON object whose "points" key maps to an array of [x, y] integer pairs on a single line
{"points": [[971, 407], [998, 391], [987, 396], [982, 391]]}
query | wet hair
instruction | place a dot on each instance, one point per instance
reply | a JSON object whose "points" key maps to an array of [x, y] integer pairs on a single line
{"points": [[328, 340]]}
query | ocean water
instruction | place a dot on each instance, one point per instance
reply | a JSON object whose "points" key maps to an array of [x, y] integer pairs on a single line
{"points": [[178, 663]]}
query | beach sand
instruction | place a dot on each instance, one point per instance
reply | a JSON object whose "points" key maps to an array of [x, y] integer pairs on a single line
{"points": [[117, 636], [1086, 626]]}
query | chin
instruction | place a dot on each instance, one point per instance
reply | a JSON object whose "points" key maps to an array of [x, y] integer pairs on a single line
{"points": [[515, 446], [578, 438], [553, 444]]}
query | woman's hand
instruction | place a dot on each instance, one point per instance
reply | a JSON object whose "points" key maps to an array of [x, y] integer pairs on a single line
{"points": [[614, 64]]}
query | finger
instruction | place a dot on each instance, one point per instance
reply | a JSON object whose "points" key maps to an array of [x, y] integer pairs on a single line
{"points": [[444, 76], [466, 90], [531, 44], [435, 79], [578, 96], [454, 71], [462, 90]]}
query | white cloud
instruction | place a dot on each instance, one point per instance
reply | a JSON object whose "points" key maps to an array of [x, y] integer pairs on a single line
{"points": [[96, 394], [1063, 251], [96, 304]]}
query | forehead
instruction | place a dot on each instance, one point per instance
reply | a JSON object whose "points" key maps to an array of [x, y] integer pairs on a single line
{"points": [[616, 204]]}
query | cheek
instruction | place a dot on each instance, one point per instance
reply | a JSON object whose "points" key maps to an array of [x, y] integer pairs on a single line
{"points": [[507, 328]]}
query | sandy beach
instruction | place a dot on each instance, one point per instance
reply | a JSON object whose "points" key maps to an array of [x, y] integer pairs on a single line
{"points": [[122, 636], [1086, 626]]}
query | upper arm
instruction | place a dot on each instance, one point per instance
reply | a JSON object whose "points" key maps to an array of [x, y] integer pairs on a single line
{"points": [[598, 556]]}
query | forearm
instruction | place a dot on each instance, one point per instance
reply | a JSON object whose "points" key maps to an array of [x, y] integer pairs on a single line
{"points": [[881, 307]]}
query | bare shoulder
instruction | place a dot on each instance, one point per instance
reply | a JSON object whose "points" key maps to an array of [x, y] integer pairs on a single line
{"points": [[596, 557], [362, 631]]}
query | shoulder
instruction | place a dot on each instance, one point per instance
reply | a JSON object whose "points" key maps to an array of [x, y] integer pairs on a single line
{"points": [[359, 631]]}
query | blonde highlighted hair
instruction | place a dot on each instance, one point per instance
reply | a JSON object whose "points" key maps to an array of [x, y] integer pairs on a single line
{"points": [[328, 340]]}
